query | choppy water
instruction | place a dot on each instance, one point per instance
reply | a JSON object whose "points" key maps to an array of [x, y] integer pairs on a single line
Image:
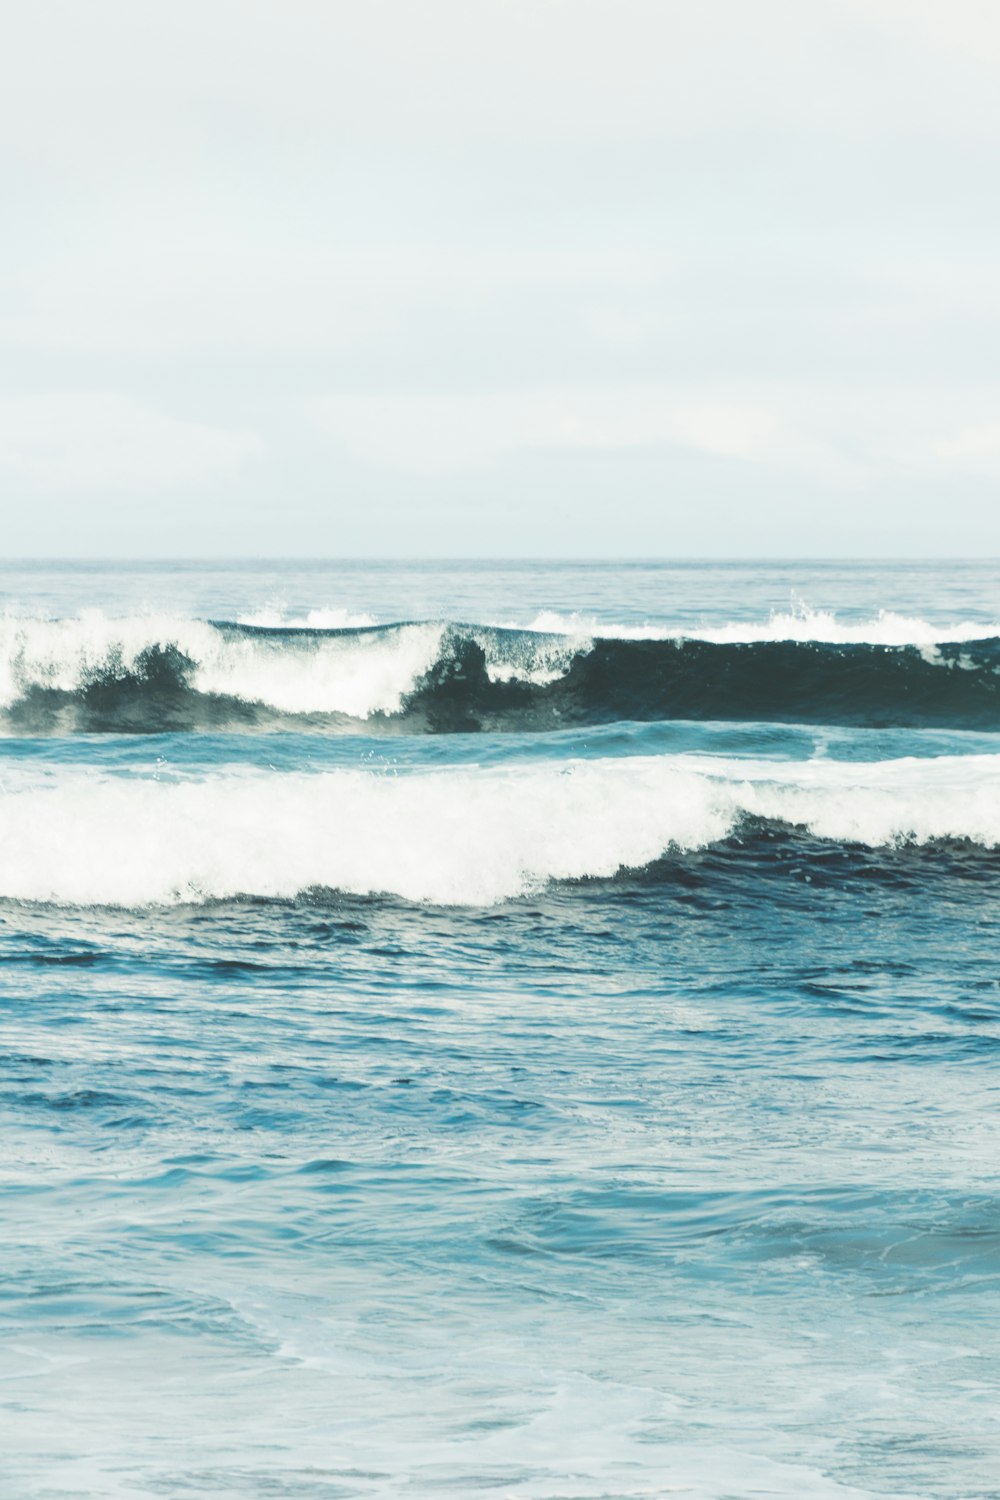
{"points": [[523, 1030]]}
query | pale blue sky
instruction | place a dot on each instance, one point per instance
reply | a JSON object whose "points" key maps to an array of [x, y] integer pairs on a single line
{"points": [[500, 277]]}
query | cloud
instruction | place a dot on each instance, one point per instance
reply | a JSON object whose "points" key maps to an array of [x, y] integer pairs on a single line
{"points": [[166, 284], [109, 442], [850, 436], [158, 84], [976, 448], [442, 432], [968, 27], [563, 248]]}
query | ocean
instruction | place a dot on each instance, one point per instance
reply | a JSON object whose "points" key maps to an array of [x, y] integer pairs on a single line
{"points": [[499, 1029]]}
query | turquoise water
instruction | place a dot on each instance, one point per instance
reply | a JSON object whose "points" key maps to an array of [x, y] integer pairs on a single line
{"points": [[418, 1080]]}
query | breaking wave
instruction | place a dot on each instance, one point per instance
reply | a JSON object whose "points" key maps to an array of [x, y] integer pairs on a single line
{"points": [[887, 628], [461, 836], [151, 674]]}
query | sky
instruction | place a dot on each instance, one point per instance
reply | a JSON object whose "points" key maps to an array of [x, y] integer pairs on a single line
{"points": [[505, 278]]}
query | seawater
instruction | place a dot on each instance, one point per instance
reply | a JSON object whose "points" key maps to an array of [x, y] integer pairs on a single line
{"points": [[499, 1029]]}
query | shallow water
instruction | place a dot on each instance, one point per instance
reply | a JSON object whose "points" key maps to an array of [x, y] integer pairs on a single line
{"points": [[605, 1110]]}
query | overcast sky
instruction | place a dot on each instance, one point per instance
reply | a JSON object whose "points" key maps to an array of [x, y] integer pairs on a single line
{"points": [[500, 277]]}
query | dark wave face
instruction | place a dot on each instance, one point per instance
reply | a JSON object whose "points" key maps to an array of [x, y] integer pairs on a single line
{"points": [[811, 682], [439, 679], [783, 863]]}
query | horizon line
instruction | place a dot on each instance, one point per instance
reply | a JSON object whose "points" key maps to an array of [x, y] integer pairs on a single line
{"points": [[610, 560]]}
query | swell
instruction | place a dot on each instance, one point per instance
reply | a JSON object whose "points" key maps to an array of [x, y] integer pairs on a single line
{"points": [[437, 678]]}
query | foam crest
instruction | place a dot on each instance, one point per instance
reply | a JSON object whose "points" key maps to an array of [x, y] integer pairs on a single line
{"points": [[65, 655], [801, 624], [459, 836], [356, 674], [274, 618], [525, 656], [93, 674]]}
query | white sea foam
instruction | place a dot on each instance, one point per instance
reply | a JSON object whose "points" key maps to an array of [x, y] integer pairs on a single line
{"points": [[359, 674], [354, 674], [526, 658], [273, 618], [801, 624], [540, 660], [461, 836]]}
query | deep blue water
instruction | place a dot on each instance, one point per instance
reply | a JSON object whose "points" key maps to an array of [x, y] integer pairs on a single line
{"points": [[523, 1030]]}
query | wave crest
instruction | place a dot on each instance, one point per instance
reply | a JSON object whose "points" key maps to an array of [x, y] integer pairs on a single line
{"points": [[154, 674]]}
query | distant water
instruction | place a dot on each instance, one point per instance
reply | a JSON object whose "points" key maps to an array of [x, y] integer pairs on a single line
{"points": [[519, 1029]]}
